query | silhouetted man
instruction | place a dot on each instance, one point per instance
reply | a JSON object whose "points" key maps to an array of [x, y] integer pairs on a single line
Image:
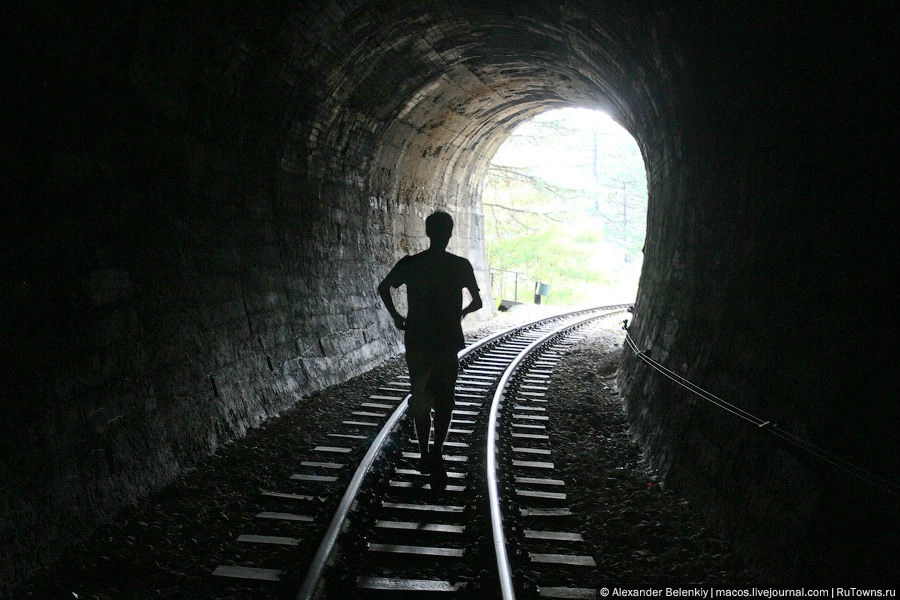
{"points": [[434, 282]]}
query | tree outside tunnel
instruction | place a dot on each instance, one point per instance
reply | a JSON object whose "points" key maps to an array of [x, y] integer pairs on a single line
{"points": [[565, 204]]}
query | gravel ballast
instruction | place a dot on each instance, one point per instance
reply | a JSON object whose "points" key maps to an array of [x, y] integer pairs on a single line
{"points": [[167, 545], [641, 534]]}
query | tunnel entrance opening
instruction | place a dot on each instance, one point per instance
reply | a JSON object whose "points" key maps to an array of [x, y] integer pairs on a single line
{"points": [[565, 211]]}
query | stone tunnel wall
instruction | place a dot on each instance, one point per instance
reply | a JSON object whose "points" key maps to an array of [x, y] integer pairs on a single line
{"points": [[200, 227], [763, 271], [209, 192]]}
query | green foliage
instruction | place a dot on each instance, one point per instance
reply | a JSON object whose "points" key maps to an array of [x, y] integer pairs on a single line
{"points": [[550, 257], [578, 224]]}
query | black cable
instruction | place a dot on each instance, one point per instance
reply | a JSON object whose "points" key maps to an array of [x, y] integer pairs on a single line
{"points": [[807, 446]]}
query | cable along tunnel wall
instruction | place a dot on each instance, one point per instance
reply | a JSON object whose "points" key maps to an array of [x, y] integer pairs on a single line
{"points": [[213, 190]]}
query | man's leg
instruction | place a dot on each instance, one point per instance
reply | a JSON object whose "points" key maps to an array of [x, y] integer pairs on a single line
{"points": [[444, 380], [423, 431], [420, 402]]}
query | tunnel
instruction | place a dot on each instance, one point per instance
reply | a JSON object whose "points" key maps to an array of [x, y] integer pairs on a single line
{"points": [[207, 194]]}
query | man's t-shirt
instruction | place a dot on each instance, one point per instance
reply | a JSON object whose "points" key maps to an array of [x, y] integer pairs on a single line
{"points": [[434, 282]]}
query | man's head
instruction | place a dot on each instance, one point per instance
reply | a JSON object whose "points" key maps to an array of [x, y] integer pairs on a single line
{"points": [[439, 228]]}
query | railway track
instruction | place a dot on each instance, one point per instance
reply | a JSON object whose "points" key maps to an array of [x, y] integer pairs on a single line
{"points": [[500, 527]]}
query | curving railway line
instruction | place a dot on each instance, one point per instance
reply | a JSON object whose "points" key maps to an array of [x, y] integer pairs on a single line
{"points": [[499, 529]]}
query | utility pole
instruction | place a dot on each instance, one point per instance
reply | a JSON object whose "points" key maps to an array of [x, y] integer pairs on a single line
{"points": [[596, 170], [625, 219]]}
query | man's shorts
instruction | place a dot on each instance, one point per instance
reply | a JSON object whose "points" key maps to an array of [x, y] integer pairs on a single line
{"points": [[432, 379]]}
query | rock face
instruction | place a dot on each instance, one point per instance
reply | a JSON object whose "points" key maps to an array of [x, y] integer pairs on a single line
{"points": [[209, 192]]}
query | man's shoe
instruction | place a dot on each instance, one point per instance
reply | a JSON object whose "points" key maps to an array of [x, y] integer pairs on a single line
{"points": [[425, 463], [438, 473], [437, 461]]}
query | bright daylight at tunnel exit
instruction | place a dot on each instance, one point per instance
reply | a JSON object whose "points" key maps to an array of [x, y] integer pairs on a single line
{"points": [[464, 299], [565, 211]]}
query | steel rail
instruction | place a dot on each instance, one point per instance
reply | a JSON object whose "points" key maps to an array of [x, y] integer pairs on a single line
{"points": [[503, 568], [329, 539]]}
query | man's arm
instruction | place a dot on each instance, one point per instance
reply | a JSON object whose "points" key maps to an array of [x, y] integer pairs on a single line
{"points": [[384, 290], [470, 284], [475, 304]]}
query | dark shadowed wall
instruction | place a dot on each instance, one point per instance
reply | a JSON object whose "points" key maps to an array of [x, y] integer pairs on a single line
{"points": [[208, 192]]}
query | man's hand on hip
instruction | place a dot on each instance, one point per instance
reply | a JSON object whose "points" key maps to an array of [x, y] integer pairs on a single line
{"points": [[400, 322]]}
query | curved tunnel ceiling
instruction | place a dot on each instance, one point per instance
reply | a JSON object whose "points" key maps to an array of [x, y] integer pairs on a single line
{"points": [[441, 100]]}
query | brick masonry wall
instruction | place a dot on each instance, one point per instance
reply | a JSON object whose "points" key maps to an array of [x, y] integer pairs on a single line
{"points": [[184, 267], [757, 274], [209, 192]]}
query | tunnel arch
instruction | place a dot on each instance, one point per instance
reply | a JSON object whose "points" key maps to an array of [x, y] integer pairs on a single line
{"points": [[202, 179], [465, 84]]}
